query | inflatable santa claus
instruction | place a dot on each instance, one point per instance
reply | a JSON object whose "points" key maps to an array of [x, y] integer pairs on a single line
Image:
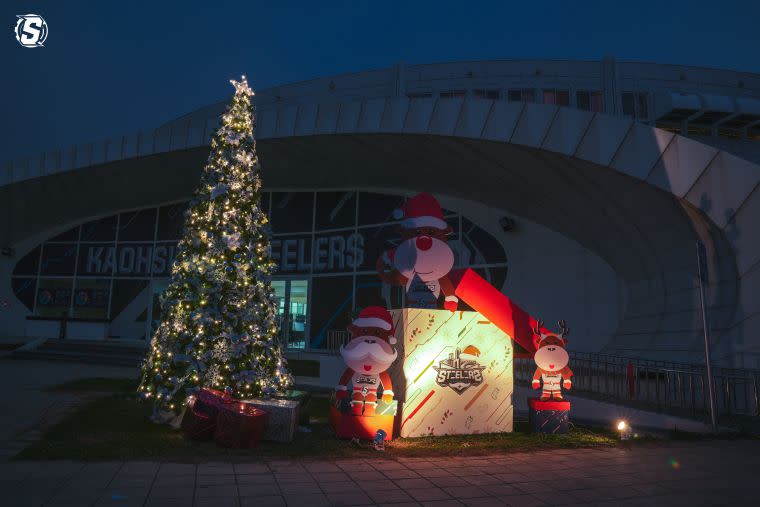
{"points": [[368, 355], [423, 259]]}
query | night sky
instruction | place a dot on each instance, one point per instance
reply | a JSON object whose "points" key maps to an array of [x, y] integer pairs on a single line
{"points": [[112, 68]]}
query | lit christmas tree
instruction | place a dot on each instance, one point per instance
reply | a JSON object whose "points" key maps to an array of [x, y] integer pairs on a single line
{"points": [[219, 322]]}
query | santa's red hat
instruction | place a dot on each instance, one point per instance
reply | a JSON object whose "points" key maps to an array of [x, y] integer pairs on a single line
{"points": [[376, 316], [422, 210]]}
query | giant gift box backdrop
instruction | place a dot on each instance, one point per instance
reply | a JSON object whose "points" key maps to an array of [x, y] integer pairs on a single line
{"points": [[454, 373]]}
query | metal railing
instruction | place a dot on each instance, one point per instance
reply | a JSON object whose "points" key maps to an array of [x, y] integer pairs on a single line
{"points": [[664, 386], [335, 339]]}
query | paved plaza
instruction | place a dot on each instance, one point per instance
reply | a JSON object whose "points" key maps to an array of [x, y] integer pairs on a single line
{"points": [[671, 473]]}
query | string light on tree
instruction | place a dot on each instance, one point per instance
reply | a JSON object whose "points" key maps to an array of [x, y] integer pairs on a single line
{"points": [[219, 321]]}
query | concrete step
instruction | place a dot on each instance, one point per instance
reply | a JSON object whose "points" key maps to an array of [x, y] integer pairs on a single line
{"points": [[95, 347], [88, 357]]}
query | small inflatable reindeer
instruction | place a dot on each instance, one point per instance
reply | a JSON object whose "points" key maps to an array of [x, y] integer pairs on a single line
{"points": [[551, 360]]}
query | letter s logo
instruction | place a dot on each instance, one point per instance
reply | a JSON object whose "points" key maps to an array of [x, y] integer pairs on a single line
{"points": [[31, 30]]}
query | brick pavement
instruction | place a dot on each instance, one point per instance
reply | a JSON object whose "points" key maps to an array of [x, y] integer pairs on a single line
{"points": [[708, 473]]}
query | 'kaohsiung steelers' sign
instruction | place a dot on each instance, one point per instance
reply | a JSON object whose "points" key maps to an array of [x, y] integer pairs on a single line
{"points": [[454, 373]]}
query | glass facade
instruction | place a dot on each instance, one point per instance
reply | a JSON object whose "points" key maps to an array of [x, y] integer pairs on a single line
{"points": [[326, 244]]}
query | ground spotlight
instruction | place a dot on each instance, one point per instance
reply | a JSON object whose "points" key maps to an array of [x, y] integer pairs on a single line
{"points": [[623, 429]]}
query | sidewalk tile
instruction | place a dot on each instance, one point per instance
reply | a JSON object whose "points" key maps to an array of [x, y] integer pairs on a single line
{"points": [[172, 492], [215, 480], [414, 483], [258, 489], [393, 495], [341, 499], [256, 479], [227, 490], [168, 469], [428, 494], [251, 468], [262, 501], [325, 477]]}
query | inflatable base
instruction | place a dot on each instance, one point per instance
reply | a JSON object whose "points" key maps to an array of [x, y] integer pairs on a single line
{"points": [[551, 417], [359, 426]]}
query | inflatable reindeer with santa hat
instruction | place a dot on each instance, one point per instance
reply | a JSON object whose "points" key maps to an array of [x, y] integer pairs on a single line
{"points": [[551, 360], [423, 259], [368, 355]]}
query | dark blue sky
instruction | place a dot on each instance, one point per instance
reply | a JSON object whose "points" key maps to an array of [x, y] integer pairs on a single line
{"points": [[111, 68]]}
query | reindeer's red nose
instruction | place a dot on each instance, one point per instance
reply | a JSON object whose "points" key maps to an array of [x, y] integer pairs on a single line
{"points": [[424, 242]]}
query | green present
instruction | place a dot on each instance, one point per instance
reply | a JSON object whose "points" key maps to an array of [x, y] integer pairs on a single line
{"points": [[386, 408]]}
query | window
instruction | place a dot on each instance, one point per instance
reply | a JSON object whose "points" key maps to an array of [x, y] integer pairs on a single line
{"points": [[335, 210], [521, 95], [292, 311], [589, 100], [54, 297], [292, 211], [487, 94], [635, 105], [317, 241], [91, 298], [557, 97], [452, 94], [58, 259]]}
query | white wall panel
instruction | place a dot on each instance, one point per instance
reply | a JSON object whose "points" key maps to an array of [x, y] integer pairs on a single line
{"points": [[472, 117], [394, 115], [641, 150], [371, 115], [306, 119], [286, 121], [533, 124], [445, 116], [266, 123], [327, 119], [566, 130], [723, 187], [418, 117], [681, 164], [603, 138], [349, 117], [502, 120]]}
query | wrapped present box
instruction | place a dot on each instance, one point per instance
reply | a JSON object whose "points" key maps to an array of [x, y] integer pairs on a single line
{"points": [[240, 426], [197, 425], [551, 417], [453, 375], [209, 401], [283, 417]]}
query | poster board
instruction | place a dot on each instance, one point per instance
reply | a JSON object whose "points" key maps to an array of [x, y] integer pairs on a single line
{"points": [[454, 374]]}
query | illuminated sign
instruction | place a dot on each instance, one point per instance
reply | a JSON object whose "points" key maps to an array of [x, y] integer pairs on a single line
{"points": [[136, 260], [339, 252]]}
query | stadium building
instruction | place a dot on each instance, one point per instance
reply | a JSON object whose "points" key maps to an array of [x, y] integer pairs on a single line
{"points": [[580, 188]]}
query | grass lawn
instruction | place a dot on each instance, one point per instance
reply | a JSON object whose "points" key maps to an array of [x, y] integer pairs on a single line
{"points": [[115, 426]]}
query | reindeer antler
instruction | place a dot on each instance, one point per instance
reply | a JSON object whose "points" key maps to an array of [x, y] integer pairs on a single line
{"points": [[563, 326], [539, 325]]}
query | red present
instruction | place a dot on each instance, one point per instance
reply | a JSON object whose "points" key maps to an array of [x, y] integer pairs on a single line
{"points": [[210, 401], [198, 425], [240, 425]]}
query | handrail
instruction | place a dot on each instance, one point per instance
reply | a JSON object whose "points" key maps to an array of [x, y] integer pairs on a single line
{"points": [[680, 390]]}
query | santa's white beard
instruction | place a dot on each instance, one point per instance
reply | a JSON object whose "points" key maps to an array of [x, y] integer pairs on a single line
{"points": [[358, 351], [431, 264]]}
